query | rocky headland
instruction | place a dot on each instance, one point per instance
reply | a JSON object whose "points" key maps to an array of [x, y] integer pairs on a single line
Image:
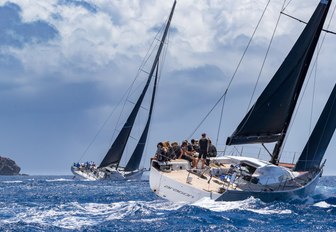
{"points": [[8, 167]]}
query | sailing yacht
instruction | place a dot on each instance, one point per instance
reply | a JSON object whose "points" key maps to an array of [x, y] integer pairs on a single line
{"points": [[235, 178], [110, 167]]}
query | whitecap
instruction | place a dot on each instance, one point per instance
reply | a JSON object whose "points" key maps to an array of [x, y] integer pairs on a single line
{"points": [[323, 204], [12, 181], [59, 180], [219, 206], [164, 205], [73, 222], [271, 211], [248, 205]]}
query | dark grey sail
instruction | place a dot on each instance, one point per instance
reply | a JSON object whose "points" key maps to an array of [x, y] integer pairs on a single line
{"points": [[134, 161], [268, 119], [318, 142], [114, 154]]}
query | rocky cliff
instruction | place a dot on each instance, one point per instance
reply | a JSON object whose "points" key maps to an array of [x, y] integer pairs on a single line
{"points": [[8, 167]]}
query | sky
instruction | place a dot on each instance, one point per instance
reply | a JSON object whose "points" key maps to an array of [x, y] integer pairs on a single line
{"points": [[65, 65]]}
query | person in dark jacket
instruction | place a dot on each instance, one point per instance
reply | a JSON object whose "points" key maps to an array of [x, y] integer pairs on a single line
{"points": [[187, 155], [212, 149], [203, 149]]}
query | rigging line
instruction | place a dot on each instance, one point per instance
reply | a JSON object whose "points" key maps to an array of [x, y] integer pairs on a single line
{"points": [[255, 30], [220, 121], [248, 45], [266, 149], [151, 48], [235, 72], [266, 55], [313, 98], [301, 21], [206, 116], [104, 123], [287, 4]]}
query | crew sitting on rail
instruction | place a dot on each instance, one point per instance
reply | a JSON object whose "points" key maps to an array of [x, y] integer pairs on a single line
{"points": [[195, 145], [161, 153], [170, 151], [187, 155], [176, 150]]}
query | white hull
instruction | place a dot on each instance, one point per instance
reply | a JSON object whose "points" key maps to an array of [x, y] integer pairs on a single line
{"points": [[175, 182], [82, 174], [109, 174], [177, 191]]}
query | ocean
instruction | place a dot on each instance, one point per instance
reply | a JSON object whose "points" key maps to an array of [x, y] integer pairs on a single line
{"points": [[60, 203]]}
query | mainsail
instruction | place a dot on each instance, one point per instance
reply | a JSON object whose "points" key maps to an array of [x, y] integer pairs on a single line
{"points": [[317, 144], [135, 159], [268, 119], [114, 154]]}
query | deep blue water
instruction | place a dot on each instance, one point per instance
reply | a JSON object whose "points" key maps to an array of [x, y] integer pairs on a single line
{"points": [[59, 203]]}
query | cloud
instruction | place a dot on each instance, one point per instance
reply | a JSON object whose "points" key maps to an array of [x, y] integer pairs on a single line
{"points": [[15, 33], [86, 5]]}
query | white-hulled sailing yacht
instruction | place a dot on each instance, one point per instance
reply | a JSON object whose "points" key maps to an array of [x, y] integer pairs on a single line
{"points": [[234, 178], [110, 167]]}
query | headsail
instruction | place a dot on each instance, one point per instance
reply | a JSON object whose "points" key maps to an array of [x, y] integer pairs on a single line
{"points": [[269, 118], [114, 154], [317, 144]]}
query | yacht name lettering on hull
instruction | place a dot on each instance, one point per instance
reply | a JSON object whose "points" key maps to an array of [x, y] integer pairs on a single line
{"points": [[178, 191]]}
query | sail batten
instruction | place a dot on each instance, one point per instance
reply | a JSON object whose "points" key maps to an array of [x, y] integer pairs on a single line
{"points": [[116, 150], [268, 119]]}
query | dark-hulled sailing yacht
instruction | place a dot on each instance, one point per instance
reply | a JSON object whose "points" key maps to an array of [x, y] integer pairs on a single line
{"points": [[234, 178], [110, 167]]}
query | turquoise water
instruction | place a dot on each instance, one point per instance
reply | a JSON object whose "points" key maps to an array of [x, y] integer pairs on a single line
{"points": [[59, 203]]}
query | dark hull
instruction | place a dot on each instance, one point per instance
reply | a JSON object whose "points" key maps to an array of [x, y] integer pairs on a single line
{"points": [[298, 193]]}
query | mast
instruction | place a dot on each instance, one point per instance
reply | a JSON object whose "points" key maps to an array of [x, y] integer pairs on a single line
{"points": [[114, 154], [268, 119], [135, 159]]}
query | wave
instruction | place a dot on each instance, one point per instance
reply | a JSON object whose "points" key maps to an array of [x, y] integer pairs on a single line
{"points": [[12, 181], [74, 215], [251, 204], [59, 180], [323, 204]]}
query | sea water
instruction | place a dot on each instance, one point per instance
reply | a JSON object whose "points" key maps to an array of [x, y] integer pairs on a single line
{"points": [[60, 203]]}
